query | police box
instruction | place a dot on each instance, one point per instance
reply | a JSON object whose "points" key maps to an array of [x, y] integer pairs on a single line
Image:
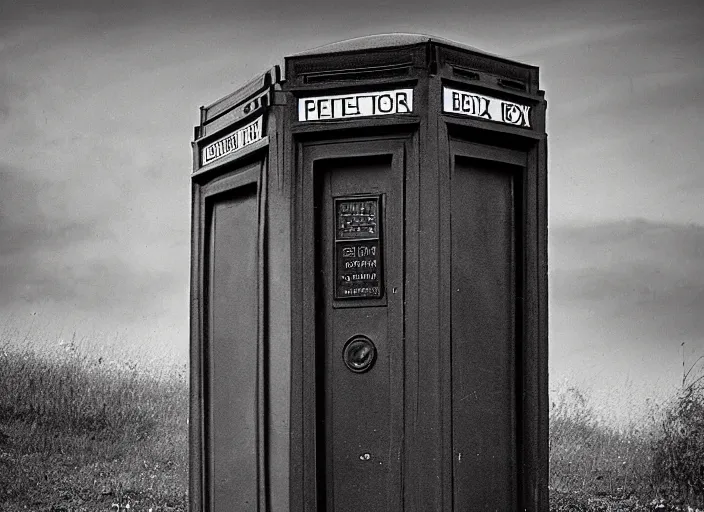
{"points": [[369, 284]]}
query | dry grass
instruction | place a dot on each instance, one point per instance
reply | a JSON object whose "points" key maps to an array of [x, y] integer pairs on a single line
{"points": [[87, 434], [79, 433], [597, 467]]}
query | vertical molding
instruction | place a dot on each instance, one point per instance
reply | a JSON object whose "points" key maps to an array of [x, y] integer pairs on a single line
{"points": [[411, 285], [195, 420], [278, 318], [203, 340], [262, 399], [542, 469], [425, 486], [445, 164], [306, 240], [536, 324], [520, 287], [297, 439], [531, 336]]}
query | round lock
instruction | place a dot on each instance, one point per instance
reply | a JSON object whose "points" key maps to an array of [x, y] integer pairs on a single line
{"points": [[359, 354]]}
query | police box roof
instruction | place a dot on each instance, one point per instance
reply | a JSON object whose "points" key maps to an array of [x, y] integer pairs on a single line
{"points": [[390, 40]]}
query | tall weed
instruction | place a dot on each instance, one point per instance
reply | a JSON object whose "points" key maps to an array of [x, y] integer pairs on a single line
{"points": [[587, 454], [679, 451]]}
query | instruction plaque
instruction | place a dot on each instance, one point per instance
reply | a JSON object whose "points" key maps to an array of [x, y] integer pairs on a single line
{"points": [[358, 261]]}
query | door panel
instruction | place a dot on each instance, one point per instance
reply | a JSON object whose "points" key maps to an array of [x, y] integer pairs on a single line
{"points": [[483, 336], [359, 294]]}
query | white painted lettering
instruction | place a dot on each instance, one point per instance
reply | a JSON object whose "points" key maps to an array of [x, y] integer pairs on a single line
{"points": [[349, 106], [386, 104], [485, 107], [233, 142], [402, 103], [309, 107]]}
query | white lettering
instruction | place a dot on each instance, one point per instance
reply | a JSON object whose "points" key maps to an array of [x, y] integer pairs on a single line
{"points": [[309, 107], [402, 103], [349, 106], [485, 107], [238, 139]]}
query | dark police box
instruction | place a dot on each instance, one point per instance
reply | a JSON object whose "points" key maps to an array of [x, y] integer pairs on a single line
{"points": [[369, 285]]}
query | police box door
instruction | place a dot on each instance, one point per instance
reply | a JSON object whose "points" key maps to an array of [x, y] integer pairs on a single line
{"points": [[356, 354]]}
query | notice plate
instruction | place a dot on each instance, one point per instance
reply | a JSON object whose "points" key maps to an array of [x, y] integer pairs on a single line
{"points": [[358, 261]]}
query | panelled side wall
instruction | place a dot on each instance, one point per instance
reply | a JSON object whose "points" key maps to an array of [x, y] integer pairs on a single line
{"points": [[231, 349], [483, 335], [227, 352], [497, 346]]}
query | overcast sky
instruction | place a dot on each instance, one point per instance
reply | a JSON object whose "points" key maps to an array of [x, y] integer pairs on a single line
{"points": [[98, 104]]}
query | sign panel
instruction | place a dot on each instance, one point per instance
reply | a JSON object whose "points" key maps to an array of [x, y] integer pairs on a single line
{"points": [[232, 142], [350, 106], [358, 272], [472, 104], [357, 218]]}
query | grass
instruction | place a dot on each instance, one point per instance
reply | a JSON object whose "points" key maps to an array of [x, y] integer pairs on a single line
{"points": [[83, 434], [643, 466], [79, 433]]}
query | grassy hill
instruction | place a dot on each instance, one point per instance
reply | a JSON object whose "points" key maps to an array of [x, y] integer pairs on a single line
{"points": [[82, 434], [79, 433], [643, 466]]}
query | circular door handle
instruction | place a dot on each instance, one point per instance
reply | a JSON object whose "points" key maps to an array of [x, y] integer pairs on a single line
{"points": [[359, 354]]}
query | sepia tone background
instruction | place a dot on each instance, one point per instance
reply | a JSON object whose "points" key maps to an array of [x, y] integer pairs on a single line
{"points": [[97, 108]]}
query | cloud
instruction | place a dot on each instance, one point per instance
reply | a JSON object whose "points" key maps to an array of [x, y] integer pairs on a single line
{"points": [[48, 254], [626, 301], [24, 227], [634, 277], [98, 101]]}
